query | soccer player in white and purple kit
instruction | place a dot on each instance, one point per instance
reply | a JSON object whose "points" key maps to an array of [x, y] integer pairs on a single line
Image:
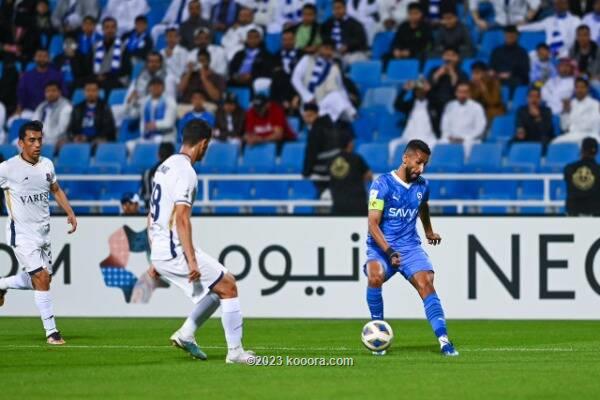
{"points": [[396, 199]]}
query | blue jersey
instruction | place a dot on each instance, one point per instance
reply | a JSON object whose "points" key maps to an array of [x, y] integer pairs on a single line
{"points": [[399, 203]]}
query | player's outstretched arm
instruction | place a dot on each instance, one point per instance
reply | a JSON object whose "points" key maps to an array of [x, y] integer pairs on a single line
{"points": [[63, 202], [183, 222], [377, 234], [432, 237]]}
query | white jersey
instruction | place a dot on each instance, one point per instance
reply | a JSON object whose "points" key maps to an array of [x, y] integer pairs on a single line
{"points": [[27, 196], [175, 183]]}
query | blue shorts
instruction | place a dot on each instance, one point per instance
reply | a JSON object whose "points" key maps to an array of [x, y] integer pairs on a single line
{"points": [[412, 260]]}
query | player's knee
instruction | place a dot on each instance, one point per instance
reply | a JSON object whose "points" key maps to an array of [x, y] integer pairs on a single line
{"points": [[41, 280], [376, 279], [425, 288], [227, 287]]}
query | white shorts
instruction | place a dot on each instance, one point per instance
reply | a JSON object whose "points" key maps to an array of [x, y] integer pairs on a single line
{"points": [[176, 271], [33, 258]]}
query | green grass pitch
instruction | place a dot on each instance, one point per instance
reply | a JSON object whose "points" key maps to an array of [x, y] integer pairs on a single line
{"points": [[132, 359]]}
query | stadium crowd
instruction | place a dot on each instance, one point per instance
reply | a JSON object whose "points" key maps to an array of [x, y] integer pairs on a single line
{"points": [[323, 72]]}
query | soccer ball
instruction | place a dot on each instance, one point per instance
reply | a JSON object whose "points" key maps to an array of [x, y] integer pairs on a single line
{"points": [[377, 335]]}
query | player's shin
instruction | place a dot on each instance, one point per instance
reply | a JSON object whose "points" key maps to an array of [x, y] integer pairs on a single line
{"points": [[22, 280], [435, 315], [43, 301], [201, 312], [375, 302], [232, 322]]}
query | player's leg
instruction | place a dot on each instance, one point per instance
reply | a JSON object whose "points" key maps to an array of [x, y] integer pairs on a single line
{"points": [[376, 278], [21, 281], [423, 283], [40, 280], [231, 318]]}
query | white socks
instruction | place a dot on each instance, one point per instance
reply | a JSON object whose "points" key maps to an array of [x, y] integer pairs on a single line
{"points": [[232, 322], [201, 312], [22, 280], [443, 340], [43, 301]]}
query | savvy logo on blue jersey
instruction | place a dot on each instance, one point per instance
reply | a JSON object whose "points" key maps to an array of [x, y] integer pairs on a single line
{"points": [[402, 212]]}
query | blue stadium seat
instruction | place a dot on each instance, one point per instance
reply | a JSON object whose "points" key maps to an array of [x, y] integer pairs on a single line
{"points": [[430, 65], [48, 151], [73, 158], [376, 156], [258, 159], [531, 190], [558, 190], [505, 94], [79, 96], [144, 156], [56, 46], [388, 127], [447, 158], [485, 157], [303, 190], [220, 158], [524, 157], [222, 210], [498, 190], [503, 128], [161, 42], [271, 190], [230, 190], [8, 150], [294, 123], [382, 42], [366, 74], [129, 129], [402, 70], [383, 97], [265, 210], [110, 158], [117, 97], [530, 40], [556, 125], [559, 155], [363, 128], [137, 69], [273, 42], [490, 40], [466, 65], [243, 95], [519, 98], [13, 131], [292, 158]]}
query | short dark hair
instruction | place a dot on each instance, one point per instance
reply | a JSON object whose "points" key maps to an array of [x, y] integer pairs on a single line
{"points": [[417, 144], [581, 79], [171, 29], [156, 81], [198, 91], [89, 18], [535, 89], [195, 131], [542, 45], [328, 42], [339, 1], [310, 6], [109, 19], [203, 53], [141, 18], [589, 145], [165, 150], [91, 81], [511, 29], [583, 27], [415, 6], [156, 54], [479, 66], [35, 126], [53, 83]]}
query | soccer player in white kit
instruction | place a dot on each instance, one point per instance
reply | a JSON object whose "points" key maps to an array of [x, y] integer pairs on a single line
{"points": [[202, 278], [28, 179]]}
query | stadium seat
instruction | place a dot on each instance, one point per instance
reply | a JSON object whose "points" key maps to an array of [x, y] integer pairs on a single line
{"points": [[137, 69], [48, 151], [363, 128], [466, 65], [388, 127], [230, 190], [502, 129], [430, 65], [292, 158], [490, 40], [559, 155], [73, 158], [531, 190], [243, 96], [110, 158], [498, 190], [117, 97], [8, 150], [271, 190], [220, 158], [375, 155], [144, 156], [485, 157], [79, 96], [56, 46], [273, 42], [524, 157], [556, 125], [381, 44], [259, 159], [399, 71], [366, 74], [383, 97], [519, 98], [302, 190], [161, 42], [530, 40], [446, 158], [265, 210], [558, 190], [295, 124], [128, 130], [13, 131]]}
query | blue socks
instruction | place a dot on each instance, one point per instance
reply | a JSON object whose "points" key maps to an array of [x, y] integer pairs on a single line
{"points": [[375, 302], [435, 314]]}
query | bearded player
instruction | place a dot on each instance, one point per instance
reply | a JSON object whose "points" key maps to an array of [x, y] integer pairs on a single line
{"points": [[202, 278], [28, 179], [396, 199]]}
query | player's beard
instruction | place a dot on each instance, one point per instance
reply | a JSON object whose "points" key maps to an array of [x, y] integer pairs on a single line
{"points": [[410, 175]]}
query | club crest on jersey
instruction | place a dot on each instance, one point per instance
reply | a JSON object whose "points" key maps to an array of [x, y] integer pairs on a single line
{"points": [[49, 177], [419, 196]]}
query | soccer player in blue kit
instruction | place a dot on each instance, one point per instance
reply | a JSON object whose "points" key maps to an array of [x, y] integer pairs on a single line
{"points": [[396, 199]]}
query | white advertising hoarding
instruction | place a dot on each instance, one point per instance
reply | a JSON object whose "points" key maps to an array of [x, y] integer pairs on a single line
{"points": [[522, 268]]}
